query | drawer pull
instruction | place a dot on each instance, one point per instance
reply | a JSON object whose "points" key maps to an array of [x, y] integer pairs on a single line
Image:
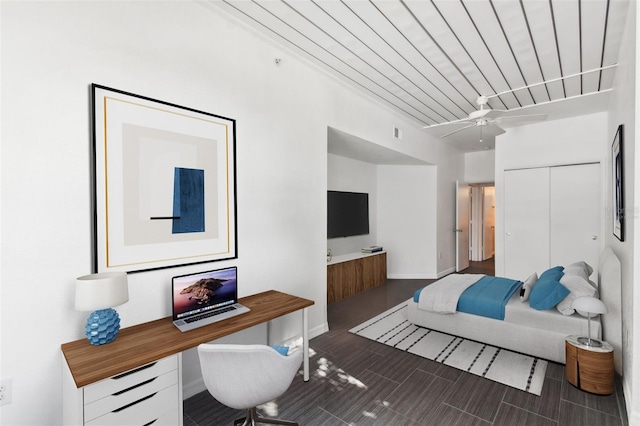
{"points": [[151, 422], [146, 382], [117, 410], [144, 367]]}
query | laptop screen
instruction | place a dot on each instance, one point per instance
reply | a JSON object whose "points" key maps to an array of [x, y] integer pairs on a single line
{"points": [[197, 293]]}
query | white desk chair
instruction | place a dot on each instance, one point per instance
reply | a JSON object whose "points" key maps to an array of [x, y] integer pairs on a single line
{"points": [[245, 376]]}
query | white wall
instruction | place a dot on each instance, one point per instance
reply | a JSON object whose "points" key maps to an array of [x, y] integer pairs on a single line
{"points": [[403, 215], [190, 54], [623, 110], [480, 166], [407, 225], [346, 174]]}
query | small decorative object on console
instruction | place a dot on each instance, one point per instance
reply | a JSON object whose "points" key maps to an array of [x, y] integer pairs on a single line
{"points": [[100, 293], [372, 249]]}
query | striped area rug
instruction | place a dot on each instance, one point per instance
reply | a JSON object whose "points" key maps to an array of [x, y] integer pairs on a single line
{"points": [[510, 368]]}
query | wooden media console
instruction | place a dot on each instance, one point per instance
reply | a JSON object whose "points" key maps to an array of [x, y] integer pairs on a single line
{"points": [[355, 272]]}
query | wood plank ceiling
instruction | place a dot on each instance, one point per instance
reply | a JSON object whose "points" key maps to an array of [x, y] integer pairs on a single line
{"points": [[430, 60]]}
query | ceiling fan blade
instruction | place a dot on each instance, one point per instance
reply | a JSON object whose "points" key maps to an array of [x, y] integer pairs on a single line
{"points": [[530, 117], [448, 123], [492, 130], [459, 130], [495, 113]]}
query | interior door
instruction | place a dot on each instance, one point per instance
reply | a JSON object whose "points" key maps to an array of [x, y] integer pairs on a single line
{"points": [[575, 214], [463, 204], [526, 222], [488, 221], [476, 227]]}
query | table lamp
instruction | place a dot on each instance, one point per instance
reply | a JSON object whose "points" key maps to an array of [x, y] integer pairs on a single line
{"points": [[100, 293], [589, 306]]}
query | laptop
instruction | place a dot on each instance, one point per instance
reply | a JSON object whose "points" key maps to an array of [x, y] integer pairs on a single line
{"points": [[205, 297]]}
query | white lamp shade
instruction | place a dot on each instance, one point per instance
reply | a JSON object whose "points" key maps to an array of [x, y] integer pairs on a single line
{"points": [[589, 306], [101, 291]]}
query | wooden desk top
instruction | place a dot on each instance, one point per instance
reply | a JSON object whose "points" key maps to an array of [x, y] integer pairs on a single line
{"points": [[144, 343]]}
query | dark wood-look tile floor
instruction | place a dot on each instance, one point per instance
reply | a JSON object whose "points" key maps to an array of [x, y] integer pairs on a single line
{"points": [[355, 381]]}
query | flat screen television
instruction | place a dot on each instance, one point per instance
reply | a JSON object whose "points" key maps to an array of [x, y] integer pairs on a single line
{"points": [[347, 214]]}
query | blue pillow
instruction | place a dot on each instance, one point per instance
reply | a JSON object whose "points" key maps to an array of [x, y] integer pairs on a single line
{"points": [[416, 295], [554, 273], [282, 350], [547, 293]]}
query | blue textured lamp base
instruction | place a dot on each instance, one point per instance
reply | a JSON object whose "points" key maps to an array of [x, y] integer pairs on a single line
{"points": [[102, 326]]}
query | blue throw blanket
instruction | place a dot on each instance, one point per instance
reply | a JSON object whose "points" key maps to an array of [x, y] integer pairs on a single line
{"points": [[488, 297]]}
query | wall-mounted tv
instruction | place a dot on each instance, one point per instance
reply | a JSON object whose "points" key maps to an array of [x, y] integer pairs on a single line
{"points": [[347, 214]]}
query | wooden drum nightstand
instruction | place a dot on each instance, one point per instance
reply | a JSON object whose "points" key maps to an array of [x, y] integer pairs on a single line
{"points": [[590, 368]]}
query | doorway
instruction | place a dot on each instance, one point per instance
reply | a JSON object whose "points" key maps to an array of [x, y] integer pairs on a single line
{"points": [[482, 222]]}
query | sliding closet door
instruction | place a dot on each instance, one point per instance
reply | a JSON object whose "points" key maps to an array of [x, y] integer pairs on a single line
{"points": [[575, 210], [526, 222]]}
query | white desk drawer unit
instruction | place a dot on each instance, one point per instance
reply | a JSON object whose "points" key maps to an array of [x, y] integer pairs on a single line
{"points": [[148, 395], [143, 411]]}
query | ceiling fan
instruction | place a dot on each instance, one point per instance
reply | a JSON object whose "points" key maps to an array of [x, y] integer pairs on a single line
{"points": [[488, 120]]}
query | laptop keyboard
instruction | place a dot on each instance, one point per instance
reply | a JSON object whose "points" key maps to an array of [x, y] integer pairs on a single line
{"points": [[211, 314]]}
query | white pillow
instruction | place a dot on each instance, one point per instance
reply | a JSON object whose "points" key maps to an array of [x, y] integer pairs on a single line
{"points": [[525, 291], [582, 265], [575, 271], [579, 287], [580, 272]]}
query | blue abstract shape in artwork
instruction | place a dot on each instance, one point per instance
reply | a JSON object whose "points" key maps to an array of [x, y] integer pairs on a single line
{"points": [[188, 200]]}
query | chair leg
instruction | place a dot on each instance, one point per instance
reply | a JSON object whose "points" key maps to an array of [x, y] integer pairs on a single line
{"points": [[269, 421], [253, 418], [246, 421]]}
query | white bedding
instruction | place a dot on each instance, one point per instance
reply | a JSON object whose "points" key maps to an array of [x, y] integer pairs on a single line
{"points": [[442, 296]]}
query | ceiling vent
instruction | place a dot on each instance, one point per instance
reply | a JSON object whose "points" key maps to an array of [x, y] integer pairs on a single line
{"points": [[397, 133]]}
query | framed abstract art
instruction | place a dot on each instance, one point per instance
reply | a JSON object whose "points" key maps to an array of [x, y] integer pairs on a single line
{"points": [[617, 184], [164, 183]]}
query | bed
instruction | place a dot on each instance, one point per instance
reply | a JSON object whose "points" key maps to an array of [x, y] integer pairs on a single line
{"points": [[537, 332]]}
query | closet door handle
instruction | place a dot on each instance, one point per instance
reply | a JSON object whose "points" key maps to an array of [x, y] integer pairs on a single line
{"points": [[595, 237]]}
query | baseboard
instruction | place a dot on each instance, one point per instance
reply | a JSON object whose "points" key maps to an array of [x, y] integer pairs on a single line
{"points": [[421, 276], [317, 331], [633, 417], [446, 272], [193, 388], [411, 277]]}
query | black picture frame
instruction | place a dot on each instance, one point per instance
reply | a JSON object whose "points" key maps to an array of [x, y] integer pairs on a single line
{"points": [[617, 183], [164, 183]]}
